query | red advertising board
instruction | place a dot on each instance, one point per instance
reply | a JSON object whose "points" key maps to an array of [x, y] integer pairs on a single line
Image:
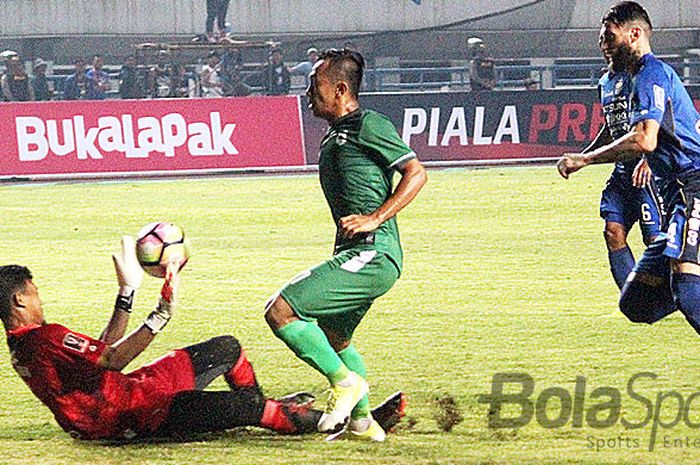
{"points": [[147, 136]]}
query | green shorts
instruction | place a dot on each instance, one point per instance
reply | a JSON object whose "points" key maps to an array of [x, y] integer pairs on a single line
{"points": [[337, 293]]}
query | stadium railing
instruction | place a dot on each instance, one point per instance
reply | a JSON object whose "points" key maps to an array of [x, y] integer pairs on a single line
{"points": [[560, 73]]}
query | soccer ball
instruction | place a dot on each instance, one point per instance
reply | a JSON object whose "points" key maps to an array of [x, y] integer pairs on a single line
{"points": [[158, 243]]}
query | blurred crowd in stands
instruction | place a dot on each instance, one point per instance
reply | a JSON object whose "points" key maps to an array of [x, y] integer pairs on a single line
{"points": [[219, 70], [221, 74]]}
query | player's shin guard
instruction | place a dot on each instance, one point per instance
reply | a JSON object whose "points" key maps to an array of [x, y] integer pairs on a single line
{"points": [[353, 360], [644, 303], [621, 265], [686, 290]]}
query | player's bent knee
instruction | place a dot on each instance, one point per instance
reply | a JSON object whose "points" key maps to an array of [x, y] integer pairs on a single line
{"points": [[227, 346], [337, 342], [271, 316], [643, 303], [634, 313], [278, 313], [220, 350], [338, 345], [615, 236], [631, 303]]}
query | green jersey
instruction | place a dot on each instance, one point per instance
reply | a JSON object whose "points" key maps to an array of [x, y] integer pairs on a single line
{"points": [[359, 155]]}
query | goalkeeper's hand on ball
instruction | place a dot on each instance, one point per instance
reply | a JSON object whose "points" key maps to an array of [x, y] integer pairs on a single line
{"points": [[129, 273], [159, 317]]}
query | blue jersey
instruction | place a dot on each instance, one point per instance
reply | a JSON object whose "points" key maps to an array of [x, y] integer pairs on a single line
{"points": [[621, 201], [658, 94], [615, 90]]}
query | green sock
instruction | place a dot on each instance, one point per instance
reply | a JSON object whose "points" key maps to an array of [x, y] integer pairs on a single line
{"points": [[353, 360], [310, 344]]}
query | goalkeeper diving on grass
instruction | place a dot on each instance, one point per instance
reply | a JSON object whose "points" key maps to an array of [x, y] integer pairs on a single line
{"points": [[80, 378]]}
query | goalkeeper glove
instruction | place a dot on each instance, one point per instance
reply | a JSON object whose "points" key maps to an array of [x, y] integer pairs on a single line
{"points": [[159, 317], [129, 274]]}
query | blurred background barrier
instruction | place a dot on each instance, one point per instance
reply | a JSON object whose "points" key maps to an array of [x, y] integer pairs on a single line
{"points": [[168, 137]]}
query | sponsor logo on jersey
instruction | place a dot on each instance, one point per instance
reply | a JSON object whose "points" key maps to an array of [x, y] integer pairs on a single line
{"points": [[342, 138], [618, 86], [617, 117], [74, 342]]}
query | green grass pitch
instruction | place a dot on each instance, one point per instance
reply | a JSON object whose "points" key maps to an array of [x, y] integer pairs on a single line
{"points": [[505, 271]]}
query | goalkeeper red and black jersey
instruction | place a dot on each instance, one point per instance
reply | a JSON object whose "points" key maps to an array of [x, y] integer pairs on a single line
{"points": [[61, 368]]}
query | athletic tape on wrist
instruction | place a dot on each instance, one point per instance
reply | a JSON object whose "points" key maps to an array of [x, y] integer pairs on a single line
{"points": [[124, 302], [159, 317], [155, 322]]}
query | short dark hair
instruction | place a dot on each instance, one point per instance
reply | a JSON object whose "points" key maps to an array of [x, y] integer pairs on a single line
{"points": [[625, 13], [13, 278], [345, 65]]}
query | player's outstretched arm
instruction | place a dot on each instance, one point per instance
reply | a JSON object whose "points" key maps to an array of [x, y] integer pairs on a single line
{"points": [[640, 140], [129, 276], [122, 352], [413, 178]]}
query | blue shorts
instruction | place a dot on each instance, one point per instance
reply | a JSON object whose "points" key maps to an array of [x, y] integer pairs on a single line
{"points": [[683, 238], [623, 203]]}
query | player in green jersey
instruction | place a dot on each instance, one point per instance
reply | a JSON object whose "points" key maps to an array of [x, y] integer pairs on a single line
{"points": [[316, 313]]}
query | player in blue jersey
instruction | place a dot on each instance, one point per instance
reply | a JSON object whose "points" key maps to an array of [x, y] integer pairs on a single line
{"points": [[630, 194], [665, 127]]}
